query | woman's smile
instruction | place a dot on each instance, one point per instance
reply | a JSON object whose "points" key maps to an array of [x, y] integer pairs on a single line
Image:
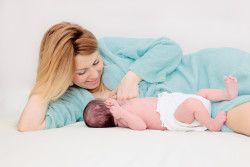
{"points": [[94, 82]]}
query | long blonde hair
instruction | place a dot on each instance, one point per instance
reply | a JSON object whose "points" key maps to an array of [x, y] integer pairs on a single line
{"points": [[55, 69]]}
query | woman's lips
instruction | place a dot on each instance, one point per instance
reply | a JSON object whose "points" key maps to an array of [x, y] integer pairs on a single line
{"points": [[93, 82]]}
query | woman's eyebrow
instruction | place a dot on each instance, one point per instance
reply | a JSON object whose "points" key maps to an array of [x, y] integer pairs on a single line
{"points": [[81, 69], [87, 68]]}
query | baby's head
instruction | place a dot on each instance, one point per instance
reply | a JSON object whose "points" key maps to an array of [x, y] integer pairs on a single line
{"points": [[97, 114]]}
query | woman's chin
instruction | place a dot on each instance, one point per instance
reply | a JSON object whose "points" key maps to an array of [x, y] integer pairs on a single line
{"points": [[92, 86]]}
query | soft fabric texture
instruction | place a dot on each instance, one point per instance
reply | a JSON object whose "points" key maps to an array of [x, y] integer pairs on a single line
{"points": [[167, 105], [163, 67], [78, 145]]}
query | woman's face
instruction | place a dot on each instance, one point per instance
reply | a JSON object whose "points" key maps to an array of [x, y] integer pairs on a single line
{"points": [[88, 70]]}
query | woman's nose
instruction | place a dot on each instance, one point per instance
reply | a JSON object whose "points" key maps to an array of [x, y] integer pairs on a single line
{"points": [[93, 73]]}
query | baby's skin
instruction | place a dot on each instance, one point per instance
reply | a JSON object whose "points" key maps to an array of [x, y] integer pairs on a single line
{"points": [[137, 113], [140, 113]]}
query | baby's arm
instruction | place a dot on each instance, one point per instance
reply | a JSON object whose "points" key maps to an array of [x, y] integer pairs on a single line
{"points": [[127, 118]]}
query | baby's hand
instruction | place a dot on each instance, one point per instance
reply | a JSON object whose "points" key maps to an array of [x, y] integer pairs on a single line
{"points": [[115, 107], [116, 111], [111, 102], [122, 102]]}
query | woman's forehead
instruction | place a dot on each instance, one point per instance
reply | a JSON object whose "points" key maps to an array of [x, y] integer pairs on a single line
{"points": [[85, 61]]}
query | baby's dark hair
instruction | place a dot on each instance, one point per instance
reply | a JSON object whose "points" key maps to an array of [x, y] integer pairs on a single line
{"points": [[97, 115]]}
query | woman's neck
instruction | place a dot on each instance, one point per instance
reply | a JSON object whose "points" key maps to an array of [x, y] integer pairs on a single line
{"points": [[102, 94]]}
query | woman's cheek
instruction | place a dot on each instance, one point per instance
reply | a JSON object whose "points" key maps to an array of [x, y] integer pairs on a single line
{"points": [[82, 79], [77, 79]]}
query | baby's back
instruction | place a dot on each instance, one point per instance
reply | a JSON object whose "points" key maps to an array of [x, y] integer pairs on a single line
{"points": [[145, 108]]}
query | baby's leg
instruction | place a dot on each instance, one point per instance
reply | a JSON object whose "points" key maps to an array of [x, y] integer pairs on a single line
{"points": [[218, 95], [192, 109]]}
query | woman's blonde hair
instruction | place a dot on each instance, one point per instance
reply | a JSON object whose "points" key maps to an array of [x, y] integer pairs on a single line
{"points": [[55, 69]]}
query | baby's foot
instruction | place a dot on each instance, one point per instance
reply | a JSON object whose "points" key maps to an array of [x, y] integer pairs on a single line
{"points": [[218, 122], [232, 88]]}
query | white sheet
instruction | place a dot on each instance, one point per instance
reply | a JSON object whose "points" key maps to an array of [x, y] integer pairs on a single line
{"points": [[77, 145]]}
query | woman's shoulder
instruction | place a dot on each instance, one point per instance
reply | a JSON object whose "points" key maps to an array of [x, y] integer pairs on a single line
{"points": [[115, 43], [111, 38]]}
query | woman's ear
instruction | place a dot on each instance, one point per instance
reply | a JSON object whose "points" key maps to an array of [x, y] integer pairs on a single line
{"points": [[71, 83]]}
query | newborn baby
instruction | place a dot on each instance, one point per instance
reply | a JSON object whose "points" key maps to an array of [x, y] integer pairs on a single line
{"points": [[170, 111]]}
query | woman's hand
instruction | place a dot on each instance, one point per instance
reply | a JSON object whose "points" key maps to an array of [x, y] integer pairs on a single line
{"points": [[128, 87], [33, 115]]}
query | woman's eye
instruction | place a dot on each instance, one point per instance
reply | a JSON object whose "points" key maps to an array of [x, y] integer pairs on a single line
{"points": [[81, 73], [96, 62]]}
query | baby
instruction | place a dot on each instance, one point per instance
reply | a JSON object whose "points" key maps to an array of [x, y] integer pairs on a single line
{"points": [[170, 111]]}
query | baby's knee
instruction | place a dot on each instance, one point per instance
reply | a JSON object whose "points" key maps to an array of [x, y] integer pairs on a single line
{"points": [[192, 102]]}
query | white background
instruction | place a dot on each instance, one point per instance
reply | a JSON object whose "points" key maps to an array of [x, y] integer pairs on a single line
{"points": [[194, 24]]}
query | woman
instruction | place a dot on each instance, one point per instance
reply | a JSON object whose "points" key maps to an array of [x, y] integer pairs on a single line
{"points": [[73, 70]]}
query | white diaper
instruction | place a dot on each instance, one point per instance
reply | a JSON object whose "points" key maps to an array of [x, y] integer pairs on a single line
{"points": [[167, 105]]}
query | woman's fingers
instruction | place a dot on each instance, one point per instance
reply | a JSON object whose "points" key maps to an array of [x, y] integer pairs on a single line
{"points": [[125, 93], [113, 94], [121, 97], [128, 88]]}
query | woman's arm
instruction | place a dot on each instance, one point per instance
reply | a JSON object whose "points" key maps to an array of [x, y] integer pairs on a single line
{"points": [[128, 88], [151, 59], [39, 114], [33, 115], [129, 60]]}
